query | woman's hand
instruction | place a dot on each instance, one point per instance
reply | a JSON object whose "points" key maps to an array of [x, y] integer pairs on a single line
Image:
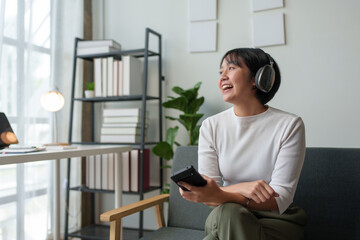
{"points": [[258, 191], [207, 194]]}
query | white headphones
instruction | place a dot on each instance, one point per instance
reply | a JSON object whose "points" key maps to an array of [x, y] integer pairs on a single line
{"points": [[265, 76]]}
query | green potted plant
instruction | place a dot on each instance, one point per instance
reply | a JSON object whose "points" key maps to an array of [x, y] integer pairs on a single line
{"points": [[189, 104], [89, 90]]}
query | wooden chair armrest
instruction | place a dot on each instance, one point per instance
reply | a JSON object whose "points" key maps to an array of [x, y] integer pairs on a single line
{"points": [[117, 214]]}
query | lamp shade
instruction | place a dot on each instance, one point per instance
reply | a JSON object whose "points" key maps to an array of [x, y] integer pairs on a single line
{"points": [[52, 101]]}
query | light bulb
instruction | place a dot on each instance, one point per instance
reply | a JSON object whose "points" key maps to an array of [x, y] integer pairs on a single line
{"points": [[52, 101]]}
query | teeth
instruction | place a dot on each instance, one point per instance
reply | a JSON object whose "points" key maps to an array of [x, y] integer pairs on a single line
{"points": [[226, 86]]}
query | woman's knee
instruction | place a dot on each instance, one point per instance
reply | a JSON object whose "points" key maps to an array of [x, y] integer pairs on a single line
{"points": [[228, 212]]}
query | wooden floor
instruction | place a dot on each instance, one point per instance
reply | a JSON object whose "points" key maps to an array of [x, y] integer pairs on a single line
{"points": [[133, 234]]}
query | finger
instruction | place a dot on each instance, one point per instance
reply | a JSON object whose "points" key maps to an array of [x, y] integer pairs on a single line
{"points": [[185, 185], [271, 191]]}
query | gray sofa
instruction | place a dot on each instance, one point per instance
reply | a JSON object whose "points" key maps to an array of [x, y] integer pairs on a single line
{"points": [[328, 190]]}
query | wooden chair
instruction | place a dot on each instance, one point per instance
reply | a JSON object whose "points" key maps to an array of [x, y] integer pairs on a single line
{"points": [[186, 220]]}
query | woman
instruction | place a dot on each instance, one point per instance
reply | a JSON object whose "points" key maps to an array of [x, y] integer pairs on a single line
{"points": [[251, 155]]}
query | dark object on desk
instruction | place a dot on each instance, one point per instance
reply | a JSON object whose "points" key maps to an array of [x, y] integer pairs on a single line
{"points": [[7, 135]]}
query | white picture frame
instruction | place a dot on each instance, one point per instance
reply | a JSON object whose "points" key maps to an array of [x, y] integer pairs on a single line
{"points": [[203, 36], [268, 30], [202, 10]]}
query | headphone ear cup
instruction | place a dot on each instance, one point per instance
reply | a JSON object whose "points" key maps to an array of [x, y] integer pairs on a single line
{"points": [[265, 78]]}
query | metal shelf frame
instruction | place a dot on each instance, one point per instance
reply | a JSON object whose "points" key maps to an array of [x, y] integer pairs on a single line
{"points": [[144, 53]]}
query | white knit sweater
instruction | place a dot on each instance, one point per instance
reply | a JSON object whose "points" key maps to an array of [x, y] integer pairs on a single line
{"points": [[268, 146]]}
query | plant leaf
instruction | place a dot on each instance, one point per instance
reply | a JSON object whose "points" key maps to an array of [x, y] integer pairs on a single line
{"points": [[177, 90], [195, 135], [179, 103], [190, 120], [195, 105], [171, 133], [163, 150]]}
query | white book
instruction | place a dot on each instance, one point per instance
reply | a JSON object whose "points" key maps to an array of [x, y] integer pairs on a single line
{"points": [[95, 50], [99, 43], [111, 171], [97, 77], [121, 78], [90, 163], [104, 171], [110, 76], [116, 112], [126, 171], [98, 172], [132, 76], [104, 72], [123, 125], [124, 119], [131, 138], [128, 131], [115, 78], [134, 182]]}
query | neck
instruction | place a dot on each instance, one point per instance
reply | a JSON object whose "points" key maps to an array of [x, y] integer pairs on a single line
{"points": [[245, 110]]}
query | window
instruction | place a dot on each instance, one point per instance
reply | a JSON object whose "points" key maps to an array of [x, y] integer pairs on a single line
{"points": [[25, 67]]}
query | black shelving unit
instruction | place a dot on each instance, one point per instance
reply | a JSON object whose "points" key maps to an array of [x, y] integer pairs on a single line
{"points": [[99, 232]]}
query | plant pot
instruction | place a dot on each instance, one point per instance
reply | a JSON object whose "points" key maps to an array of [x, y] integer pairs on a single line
{"points": [[89, 93]]}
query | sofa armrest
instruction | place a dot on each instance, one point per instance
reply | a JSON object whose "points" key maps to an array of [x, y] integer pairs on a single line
{"points": [[114, 216]]}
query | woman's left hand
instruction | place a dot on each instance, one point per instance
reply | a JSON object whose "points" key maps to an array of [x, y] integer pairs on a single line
{"points": [[205, 194]]}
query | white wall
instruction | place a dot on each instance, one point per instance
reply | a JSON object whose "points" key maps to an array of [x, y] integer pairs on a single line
{"points": [[318, 63]]}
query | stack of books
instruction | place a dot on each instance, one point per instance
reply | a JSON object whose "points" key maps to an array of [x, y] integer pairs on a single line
{"points": [[114, 77], [97, 47], [101, 171], [122, 125]]}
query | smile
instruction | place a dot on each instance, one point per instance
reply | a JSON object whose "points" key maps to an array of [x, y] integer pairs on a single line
{"points": [[226, 86]]}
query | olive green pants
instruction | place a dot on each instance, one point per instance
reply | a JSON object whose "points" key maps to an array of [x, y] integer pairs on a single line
{"points": [[231, 221]]}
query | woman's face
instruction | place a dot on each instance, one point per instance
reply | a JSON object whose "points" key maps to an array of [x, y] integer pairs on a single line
{"points": [[234, 83]]}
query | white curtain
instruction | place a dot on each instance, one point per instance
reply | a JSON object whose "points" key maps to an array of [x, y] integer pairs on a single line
{"points": [[36, 50]]}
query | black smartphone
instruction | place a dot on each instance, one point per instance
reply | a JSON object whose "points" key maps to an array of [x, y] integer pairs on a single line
{"points": [[188, 175]]}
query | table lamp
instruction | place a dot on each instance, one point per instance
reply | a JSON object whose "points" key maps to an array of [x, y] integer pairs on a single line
{"points": [[53, 101]]}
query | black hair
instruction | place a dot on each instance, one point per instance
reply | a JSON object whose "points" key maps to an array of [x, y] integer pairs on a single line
{"points": [[254, 59]]}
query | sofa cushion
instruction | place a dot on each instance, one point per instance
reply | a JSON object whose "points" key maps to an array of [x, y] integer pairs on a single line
{"points": [[195, 215], [329, 192]]}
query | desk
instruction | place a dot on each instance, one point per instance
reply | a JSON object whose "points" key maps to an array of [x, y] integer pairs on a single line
{"points": [[80, 151]]}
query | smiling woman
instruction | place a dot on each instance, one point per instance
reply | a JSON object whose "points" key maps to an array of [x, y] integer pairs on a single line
{"points": [[251, 155]]}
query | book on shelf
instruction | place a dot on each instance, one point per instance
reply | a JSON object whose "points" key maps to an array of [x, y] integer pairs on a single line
{"points": [[120, 130], [98, 77], [90, 176], [104, 76], [98, 43], [111, 172], [123, 125], [118, 77], [126, 171], [121, 138], [132, 76], [118, 112], [104, 171], [110, 76], [98, 171], [96, 50], [135, 170], [125, 119]]}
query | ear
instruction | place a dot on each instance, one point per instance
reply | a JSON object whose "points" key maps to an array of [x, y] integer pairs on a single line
{"points": [[253, 82]]}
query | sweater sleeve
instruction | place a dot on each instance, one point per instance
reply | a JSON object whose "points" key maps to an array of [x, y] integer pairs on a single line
{"points": [[289, 163], [207, 157]]}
